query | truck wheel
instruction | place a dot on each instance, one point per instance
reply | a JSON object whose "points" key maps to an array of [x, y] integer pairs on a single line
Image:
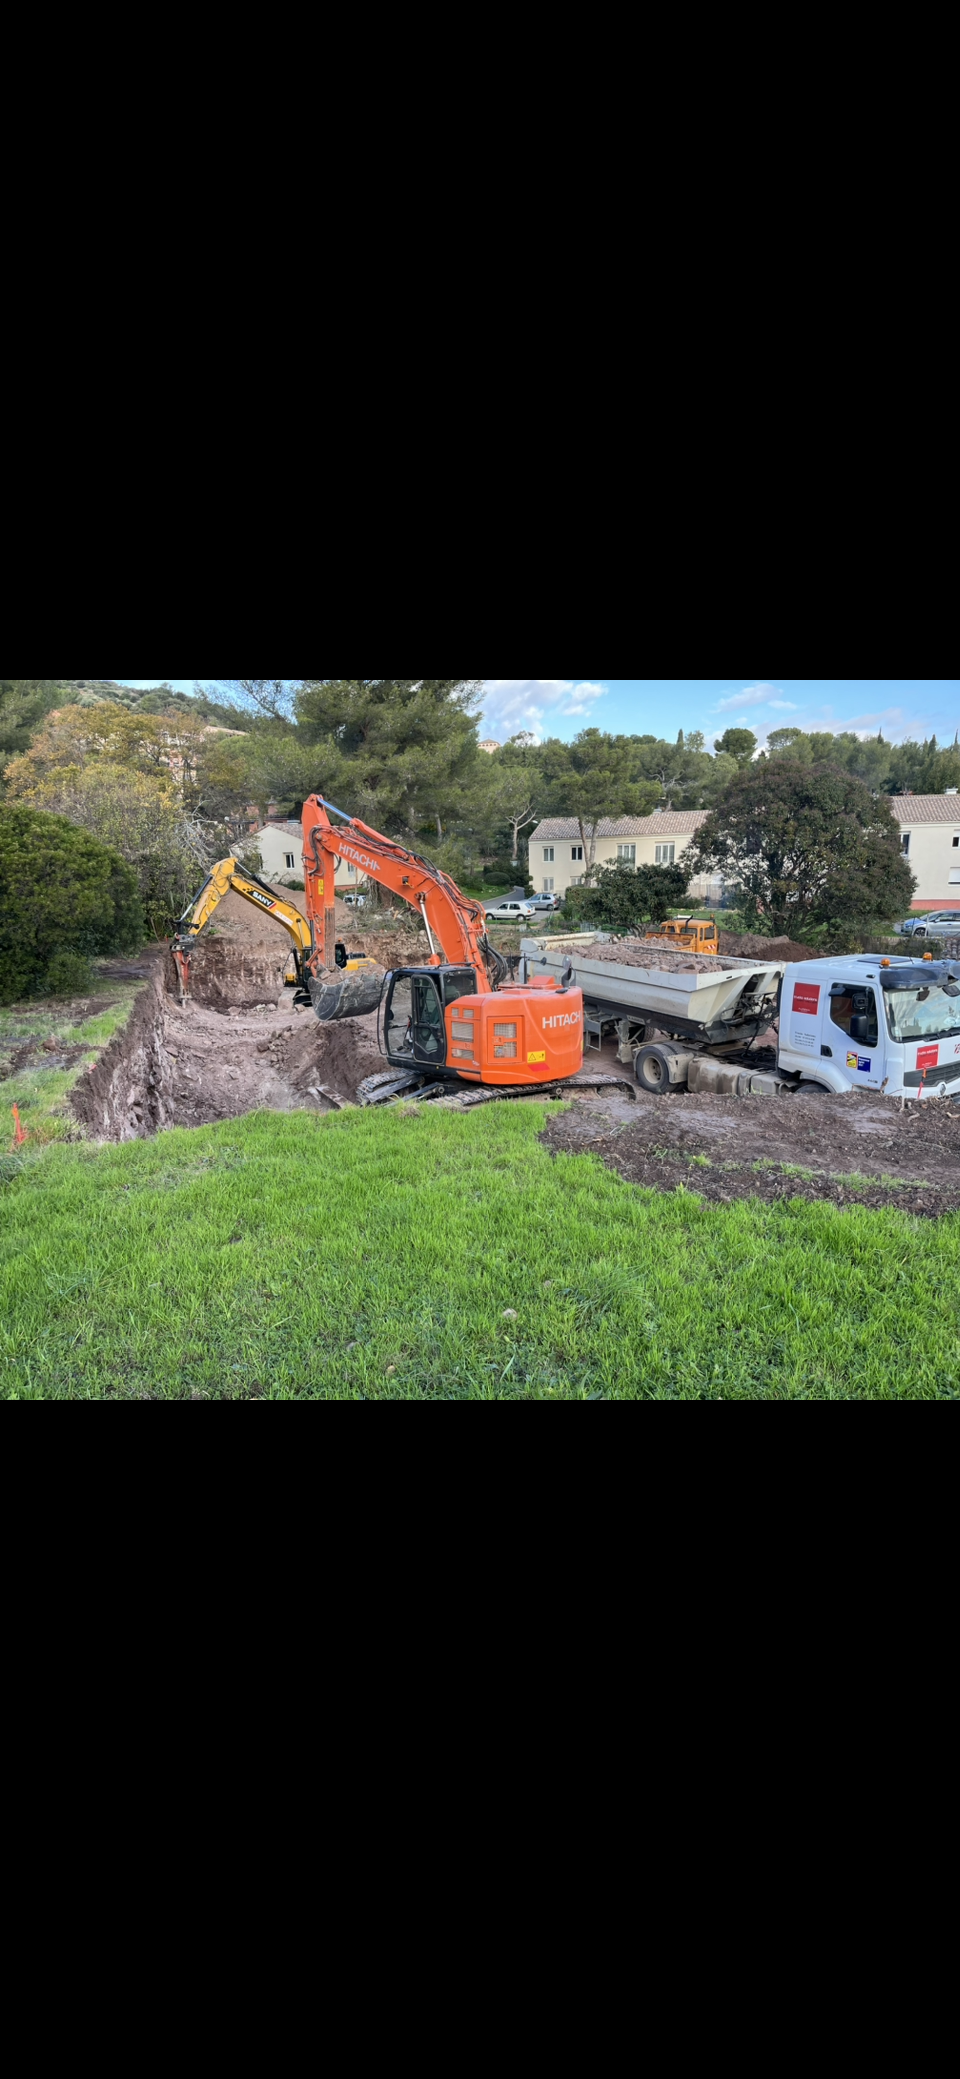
{"points": [[652, 1067]]}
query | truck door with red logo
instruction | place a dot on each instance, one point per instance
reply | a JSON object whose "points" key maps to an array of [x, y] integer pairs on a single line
{"points": [[852, 1034], [830, 1029]]}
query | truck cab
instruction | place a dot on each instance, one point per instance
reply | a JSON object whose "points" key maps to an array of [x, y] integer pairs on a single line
{"points": [[862, 1023]]}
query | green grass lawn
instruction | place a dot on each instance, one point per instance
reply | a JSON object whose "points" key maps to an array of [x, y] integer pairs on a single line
{"points": [[372, 1255]]}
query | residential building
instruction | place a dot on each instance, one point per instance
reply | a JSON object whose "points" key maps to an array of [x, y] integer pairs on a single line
{"points": [[280, 843], [557, 848], [930, 842], [929, 837], [488, 743]]}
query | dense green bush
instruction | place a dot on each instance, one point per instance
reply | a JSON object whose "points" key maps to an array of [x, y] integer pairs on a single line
{"points": [[61, 892], [623, 897], [68, 974]]}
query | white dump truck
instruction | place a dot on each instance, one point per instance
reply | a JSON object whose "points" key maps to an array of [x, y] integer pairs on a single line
{"points": [[852, 1023]]}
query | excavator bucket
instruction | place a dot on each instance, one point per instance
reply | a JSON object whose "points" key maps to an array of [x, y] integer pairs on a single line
{"points": [[346, 995]]}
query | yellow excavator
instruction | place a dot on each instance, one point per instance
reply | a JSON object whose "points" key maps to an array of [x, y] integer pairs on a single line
{"points": [[228, 874]]}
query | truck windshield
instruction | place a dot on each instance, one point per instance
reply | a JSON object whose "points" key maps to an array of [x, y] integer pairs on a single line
{"points": [[914, 1014]]}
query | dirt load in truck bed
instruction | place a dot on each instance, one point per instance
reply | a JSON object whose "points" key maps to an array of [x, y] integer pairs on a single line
{"points": [[661, 953], [665, 954]]}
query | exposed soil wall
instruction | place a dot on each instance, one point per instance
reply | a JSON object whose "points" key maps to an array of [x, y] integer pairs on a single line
{"points": [[229, 975], [190, 1066]]}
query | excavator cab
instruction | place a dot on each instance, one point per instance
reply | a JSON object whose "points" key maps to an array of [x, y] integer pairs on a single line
{"points": [[415, 999]]}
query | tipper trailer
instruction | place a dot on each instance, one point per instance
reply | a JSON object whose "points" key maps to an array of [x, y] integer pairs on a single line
{"points": [[854, 1022]]}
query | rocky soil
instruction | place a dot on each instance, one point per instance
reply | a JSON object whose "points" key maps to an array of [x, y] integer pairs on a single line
{"points": [[664, 954]]}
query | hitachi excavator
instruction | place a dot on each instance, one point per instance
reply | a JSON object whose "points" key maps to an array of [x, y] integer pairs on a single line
{"points": [[457, 1018]]}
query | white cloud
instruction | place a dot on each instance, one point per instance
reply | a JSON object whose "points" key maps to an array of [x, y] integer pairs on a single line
{"points": [[759, 695], [791, 704], [513, 704]]}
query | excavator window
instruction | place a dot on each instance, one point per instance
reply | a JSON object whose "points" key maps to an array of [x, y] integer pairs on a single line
{"points": [[458, 981], [398, 1023], [429, 1037]]}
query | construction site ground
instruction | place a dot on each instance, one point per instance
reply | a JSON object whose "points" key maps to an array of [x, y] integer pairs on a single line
{"points": [[194, 1208], [131, 1060]]}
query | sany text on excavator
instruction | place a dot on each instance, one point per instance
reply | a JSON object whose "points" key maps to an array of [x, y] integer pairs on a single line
{"points": [[456, 1017]]}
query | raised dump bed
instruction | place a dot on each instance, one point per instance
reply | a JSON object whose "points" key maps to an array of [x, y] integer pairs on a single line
{"points": [[726, 1006]]}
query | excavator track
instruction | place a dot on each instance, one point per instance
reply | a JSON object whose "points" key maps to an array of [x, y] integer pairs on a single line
{"points": [[386, 1085], [568, 1087]]}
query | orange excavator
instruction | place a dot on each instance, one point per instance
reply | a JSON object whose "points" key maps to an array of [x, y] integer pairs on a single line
{"points": [[455, 1019]]}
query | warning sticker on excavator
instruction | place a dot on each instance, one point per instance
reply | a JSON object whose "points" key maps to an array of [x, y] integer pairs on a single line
{"points": [[538, 1057]]}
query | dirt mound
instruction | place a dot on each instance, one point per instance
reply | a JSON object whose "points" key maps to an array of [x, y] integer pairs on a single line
{"points": [[330, 1058], [754, 946], [663, 953], [849, 1150]]}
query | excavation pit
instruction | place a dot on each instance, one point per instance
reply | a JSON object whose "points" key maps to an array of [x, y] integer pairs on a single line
{"points": [[191, 1065]]}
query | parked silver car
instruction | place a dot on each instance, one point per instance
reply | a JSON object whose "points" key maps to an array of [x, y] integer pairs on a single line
{"points": [[930, 924]]}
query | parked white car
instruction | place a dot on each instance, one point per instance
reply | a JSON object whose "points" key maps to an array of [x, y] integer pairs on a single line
{"points": [[511, 912]]}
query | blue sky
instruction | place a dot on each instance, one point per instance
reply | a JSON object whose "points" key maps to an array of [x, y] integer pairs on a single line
{"points": [[559, 707]]}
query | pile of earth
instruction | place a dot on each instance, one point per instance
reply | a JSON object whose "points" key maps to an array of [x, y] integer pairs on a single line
{"points": [[754, 946], [253, 934], [851, 1150]]}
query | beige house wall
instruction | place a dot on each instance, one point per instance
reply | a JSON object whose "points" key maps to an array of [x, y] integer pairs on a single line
{"points": [[934, 860], [566, 869], [277, 845]]}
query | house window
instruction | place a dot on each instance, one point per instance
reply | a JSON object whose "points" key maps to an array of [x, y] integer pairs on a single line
{"points": [[289, 860], [576, 851], [956, 839], [905, 843], [665, 854], [627, 852], [548, 884], [548, 855]]}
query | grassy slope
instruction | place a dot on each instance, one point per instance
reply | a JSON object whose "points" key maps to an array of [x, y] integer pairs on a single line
{"points": [[290, 1255], [39, 1092]]}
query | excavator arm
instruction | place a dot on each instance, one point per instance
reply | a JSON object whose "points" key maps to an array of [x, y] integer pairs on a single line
{"points": [[456, 926], [225, 875]]}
